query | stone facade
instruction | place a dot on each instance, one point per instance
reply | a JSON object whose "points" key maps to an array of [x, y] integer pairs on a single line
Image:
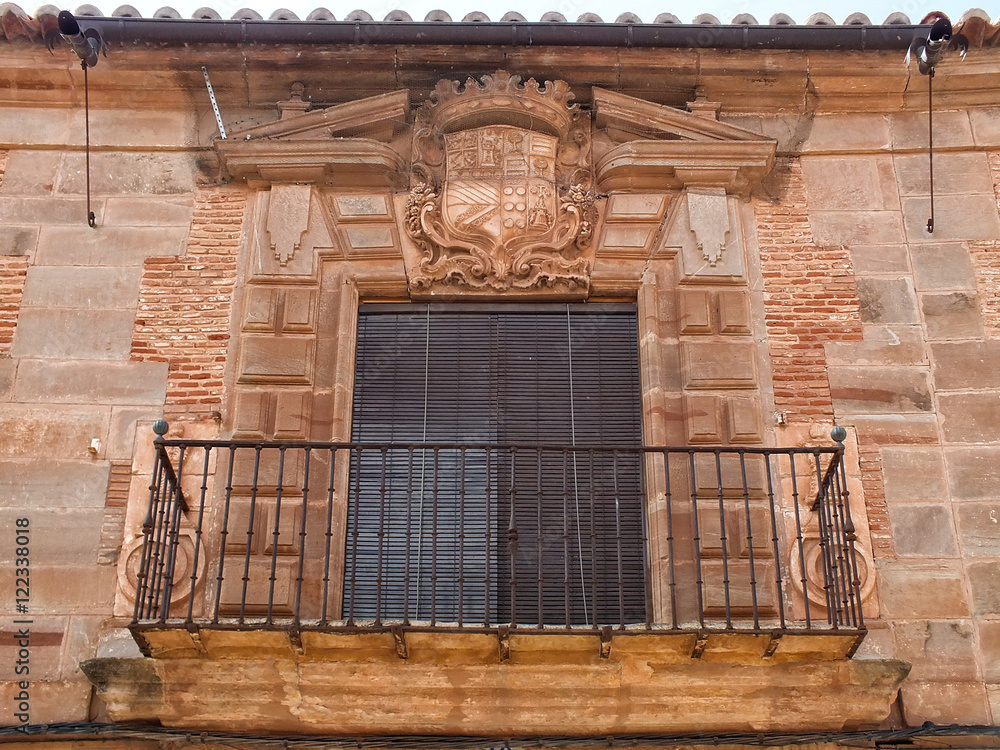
{"points": [[783, 279]]}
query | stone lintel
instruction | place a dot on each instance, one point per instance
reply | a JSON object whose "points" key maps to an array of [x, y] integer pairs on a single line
{"points": [[736, 166], [516, 684], [347, 162]]}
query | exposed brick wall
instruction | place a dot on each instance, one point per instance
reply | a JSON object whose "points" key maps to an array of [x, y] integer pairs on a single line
{"points": [[870, 458], [185, 305], [986, 262], [13, 272], [810, 297]]}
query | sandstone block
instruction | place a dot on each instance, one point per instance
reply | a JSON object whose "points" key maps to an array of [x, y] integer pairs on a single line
{"points": [[38, 125], [52, 701], [923, 530], [984, 581], [944, 703], [849, 182], [966, 365], [909, 130], [985, 126], [87, 288], [44, 483], [938, 649], [958, 173], [863, 132], [873, 390], [118, 173], [974, 473], [979, 528], [62, 432], [880, 259], [16, 210], [18, 240], [970, 417], [269, 359], [711, 365], [914, 474], [857, 227], [158, 212], [127, 246], [8, 368], [63, 536], [896, 429], [31, 172], [993, 698], [73, 334], [942, 593], [45, 642], [67, 589], [989, 642], [124, 421], [91, 382], [942, 266], [901, 345], [952, 315], [957, 217], [887, 301]]}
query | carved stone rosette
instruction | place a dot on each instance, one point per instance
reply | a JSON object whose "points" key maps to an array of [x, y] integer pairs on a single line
{"points": [[500, 198]]}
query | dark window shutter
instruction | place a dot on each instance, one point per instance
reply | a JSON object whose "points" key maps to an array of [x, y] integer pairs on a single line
{"points": [[430, 531]]}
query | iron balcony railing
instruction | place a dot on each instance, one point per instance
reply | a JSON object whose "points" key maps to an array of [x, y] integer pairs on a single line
{"points": [[306, 535]]}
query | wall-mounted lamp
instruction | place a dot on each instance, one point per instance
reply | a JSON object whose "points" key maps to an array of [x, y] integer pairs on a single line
{"points": [[87, 44]]}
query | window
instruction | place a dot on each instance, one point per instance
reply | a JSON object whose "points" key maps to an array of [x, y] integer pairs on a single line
{"points": [[468, 505]]}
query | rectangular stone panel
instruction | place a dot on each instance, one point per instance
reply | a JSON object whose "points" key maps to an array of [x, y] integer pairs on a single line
{"points": [[956, 217], [702, 419], [260, 309], [717, 365], [923, 530], [848, 132], [635, 207], [300, 310], [627, 239], [983, 578], [58, 536], [893, 390], [947, 265], [954, 173], [259, 588], [743, 419], [361, 207], [845, 182], [979, 528], [157, 212], [970, 417], [909, 129], [60, 431], [966, 365], [273, 359], [73, 334], [887, 301], [91, 382], [52, 483], [734, 312], [696, 314], [130, 172], [942, 591], [18, 240], [291, 417], [250, 420], [85, 288], [973, 472], [952, 315], [913, 474], [938, 649], [128, 246], [857, 227], [877, 259]]}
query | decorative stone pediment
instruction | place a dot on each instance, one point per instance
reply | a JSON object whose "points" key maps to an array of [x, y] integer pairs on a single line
{"points": [[665, 148], [500, 195], [342, 145]]}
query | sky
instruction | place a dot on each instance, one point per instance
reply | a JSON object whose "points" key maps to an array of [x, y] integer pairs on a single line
{"points": [[608, 10]]}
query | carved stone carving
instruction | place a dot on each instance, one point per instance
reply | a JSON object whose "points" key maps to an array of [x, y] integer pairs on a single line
{"points": [[288, 219], [501, 194], [708, 216]]}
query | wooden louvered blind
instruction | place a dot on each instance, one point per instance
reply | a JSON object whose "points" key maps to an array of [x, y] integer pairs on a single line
{"points": [[529, 536]]}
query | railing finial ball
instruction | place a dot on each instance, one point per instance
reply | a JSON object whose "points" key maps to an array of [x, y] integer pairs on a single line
{"points": [[160, 427], [839, 434]]}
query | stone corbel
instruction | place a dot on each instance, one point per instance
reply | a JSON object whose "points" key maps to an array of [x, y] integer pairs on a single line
{"points": [[288, 219], [708, 217]]}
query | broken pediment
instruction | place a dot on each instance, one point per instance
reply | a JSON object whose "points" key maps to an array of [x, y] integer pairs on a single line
{"points": [[668, 148], [342, 145]]}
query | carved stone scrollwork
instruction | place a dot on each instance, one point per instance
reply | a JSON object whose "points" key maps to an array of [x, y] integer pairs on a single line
{"points": [[501, 199]]}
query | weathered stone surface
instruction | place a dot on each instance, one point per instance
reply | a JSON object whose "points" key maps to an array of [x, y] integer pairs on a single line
{"points": [[985, 126], [878, 259], [956, 217], [857, 227], [984, 581], [8, 368], [848, 132], [896, 429], [91, 382], [15, 210], [124, 246], [973, 473], [141, 211], [89, 288], [57, 430], [970, 417], [73, 334], [923, 530], [52, 701], [938, 649], [956, 173], [396, 697], [63, 536], [44, 483], [909, 130], [952, 315], [119, 173], [850, 182], [67, 589], [867, 390], [887, 301], [15, 240], [966, 365], [900, 345], [712, 365], [942, 266], [979, 528], [947, 702], [989, 640], [913, 474], [942, 592]]}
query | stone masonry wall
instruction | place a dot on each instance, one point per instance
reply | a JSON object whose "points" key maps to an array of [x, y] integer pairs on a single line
{"points": [[185, 305], [986, 262]]}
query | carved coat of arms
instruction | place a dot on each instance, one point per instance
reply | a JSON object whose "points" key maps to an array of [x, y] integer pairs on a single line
{"points": [[502, 203]]}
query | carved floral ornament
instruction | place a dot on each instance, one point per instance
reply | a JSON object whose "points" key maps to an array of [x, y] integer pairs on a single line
{"points": [[500, 195]]}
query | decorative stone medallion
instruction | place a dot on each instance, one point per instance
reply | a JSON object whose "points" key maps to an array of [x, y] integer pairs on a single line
{"points": [[500, 198]]}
